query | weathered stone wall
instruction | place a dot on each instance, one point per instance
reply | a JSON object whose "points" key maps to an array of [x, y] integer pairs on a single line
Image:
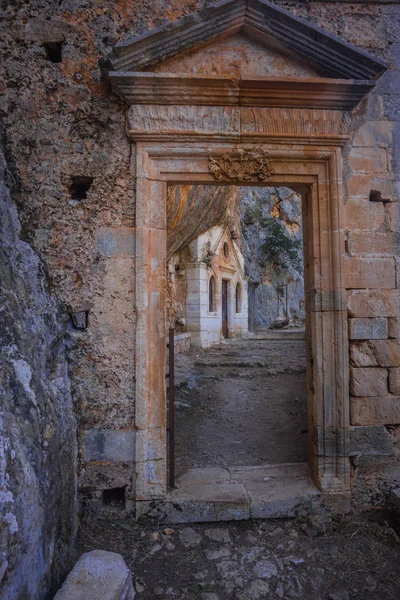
{"points": [[38, 447], [62, 121]]}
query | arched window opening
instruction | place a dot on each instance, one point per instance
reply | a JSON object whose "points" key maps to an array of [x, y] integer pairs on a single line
{"points": [[226, 250], [211, 294], [238, 298]]}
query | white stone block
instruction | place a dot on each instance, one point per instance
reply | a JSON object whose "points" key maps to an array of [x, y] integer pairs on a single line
{"points": [[98, 574]]}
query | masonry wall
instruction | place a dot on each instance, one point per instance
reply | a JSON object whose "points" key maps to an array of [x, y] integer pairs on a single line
{"points": [[62, 121]]}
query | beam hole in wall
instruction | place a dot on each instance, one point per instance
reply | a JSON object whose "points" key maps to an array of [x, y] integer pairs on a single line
{"points": [[53, 51], [80, 187], [226, 250], [114, 497]]}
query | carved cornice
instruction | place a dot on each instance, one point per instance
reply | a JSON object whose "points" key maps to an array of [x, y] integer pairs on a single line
{"points": [[165, 88], [169, 123], [246, 164], [258, 18]]}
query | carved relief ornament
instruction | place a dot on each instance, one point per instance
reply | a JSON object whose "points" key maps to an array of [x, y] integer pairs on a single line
{"points": [[245, 164]]}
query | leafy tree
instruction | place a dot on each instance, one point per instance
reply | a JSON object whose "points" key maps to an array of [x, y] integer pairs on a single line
{"points": [[278, 248]]}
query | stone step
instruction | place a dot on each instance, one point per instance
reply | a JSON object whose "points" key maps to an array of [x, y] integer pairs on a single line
{"points": [[238, 493], [278, 334]]}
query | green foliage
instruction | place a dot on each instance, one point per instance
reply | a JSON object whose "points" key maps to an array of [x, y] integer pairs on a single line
{"points": [[252, 215], [280, 249]]}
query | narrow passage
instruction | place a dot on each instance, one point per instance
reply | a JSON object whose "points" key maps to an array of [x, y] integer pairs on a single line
{"points": [[242, 403]]}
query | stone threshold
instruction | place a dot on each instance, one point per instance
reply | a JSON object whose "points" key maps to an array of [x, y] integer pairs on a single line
{"points": [[237, 493]]}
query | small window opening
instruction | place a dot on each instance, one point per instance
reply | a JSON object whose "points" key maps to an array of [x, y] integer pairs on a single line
{"points": [[114, 497], [211, 294], [80, 187], [53, 51], [238, 298], [226, 250]]}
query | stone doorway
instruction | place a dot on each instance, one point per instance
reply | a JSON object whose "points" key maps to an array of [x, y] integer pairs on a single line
{"points": [[315, 174], [224, 295]]}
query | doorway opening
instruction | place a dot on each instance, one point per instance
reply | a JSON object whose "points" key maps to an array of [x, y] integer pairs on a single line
{"points": [[236, 301]]}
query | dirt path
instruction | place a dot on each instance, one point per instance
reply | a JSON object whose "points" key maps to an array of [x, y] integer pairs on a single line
{"points": [[243, 403]]}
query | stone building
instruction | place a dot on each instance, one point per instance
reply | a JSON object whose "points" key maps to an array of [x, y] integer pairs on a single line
{"points": [[208, 290], [245, 92]]}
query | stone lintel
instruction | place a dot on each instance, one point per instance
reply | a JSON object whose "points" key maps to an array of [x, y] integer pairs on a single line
{"points": [[152, 122]]}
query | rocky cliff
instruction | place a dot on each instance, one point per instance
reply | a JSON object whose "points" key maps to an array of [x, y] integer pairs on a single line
{"points": [[37, 427], [272, 237]]}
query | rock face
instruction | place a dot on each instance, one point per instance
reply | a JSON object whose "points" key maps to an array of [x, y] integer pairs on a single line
{"points": [[37, 428], [273, 255]]}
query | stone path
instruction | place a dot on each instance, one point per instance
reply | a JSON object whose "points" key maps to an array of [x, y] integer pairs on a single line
{"points": [[354, 558], [240, 404]]}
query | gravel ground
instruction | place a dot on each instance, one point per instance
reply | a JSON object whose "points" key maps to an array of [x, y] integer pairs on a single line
{"points": [[352, 558]]}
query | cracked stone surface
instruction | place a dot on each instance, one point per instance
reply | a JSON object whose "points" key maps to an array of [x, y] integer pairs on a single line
{"points": [[355, 559]]}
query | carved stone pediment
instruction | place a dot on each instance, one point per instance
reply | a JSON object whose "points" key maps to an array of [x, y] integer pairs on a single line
{"points": [[165, 66], [246, 164], [263, 20]]}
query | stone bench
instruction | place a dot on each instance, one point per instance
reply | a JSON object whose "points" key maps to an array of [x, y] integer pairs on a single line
{"points": [[98, 574]]}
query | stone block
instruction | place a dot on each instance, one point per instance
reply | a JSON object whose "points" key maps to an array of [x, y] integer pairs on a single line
{"points": [[368, 382], [373, 133], [362, 215], [375, 353], [116, 241], [394, 381], [394, 327], [204, 503], [393, 216], [105, 476], [375, 273], [378, 410], [375, 244], [374, 477], [368, 329], [98, 574], [368, 160], [109, 445], [373, 303], [360, 184], [372, 440]]}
